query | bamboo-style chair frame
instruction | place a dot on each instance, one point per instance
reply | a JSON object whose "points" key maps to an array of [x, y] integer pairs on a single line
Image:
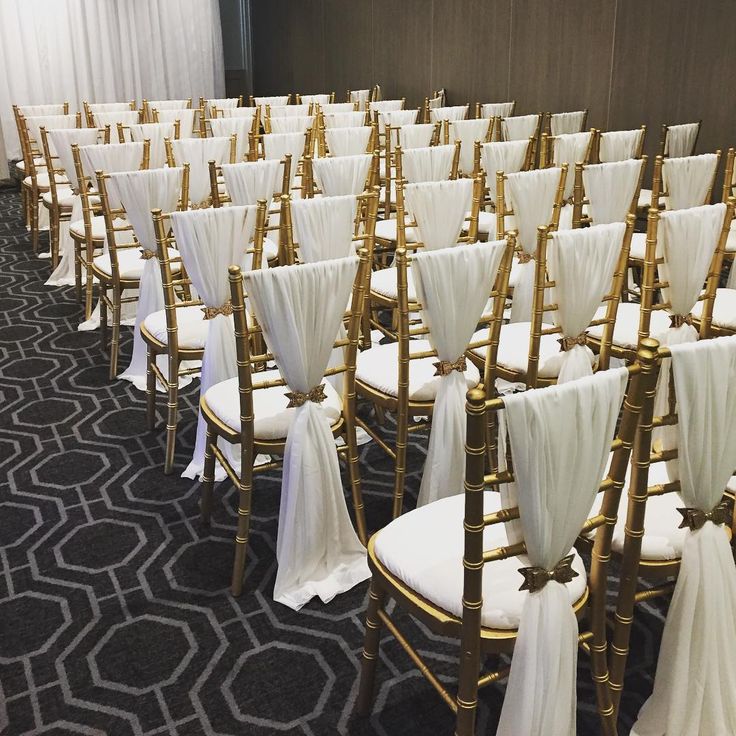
{"points": [[637, 154], [89, 112], [148, 113], [447, 125], [479, 110], [203, 108], [547, 127], [664, 133], [309, 183], [536, 137], [547, 149]]}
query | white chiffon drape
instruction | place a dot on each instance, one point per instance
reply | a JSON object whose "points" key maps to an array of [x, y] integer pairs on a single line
{"points": [[210, 241], [619, 145], [361, 97], [496, 109], [344, 119], [680, 140], [122, 117], [341, 175], [248, 181], [185, 118], [452, 286], [348, 141], [239, 127], [396, 118], [562, 123], [558, 470], [455, 112], [156, 133], [433, 163], [571, 149], [468, 132], [696, 676], [610, 189], [198, 152], [506, 156], [688, 179], [300, 310], [519, 127], [323, 227], [279, 145], [291, 124], [416, 136]]}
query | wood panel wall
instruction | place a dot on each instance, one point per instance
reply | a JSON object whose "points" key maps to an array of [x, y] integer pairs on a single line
{"points": [[629, 62]]}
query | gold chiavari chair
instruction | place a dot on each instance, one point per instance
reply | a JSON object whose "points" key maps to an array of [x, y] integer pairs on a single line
{"points": [[620, 145], [92, 108], [315, 100], [339, 175], [495, 110], [333, 107], [477, 599], [522, 127], [350, 141], [468, 133], [562, 123], [294, 145], [156, 134], [206, 110], [184, 117], [251, 411], [149, 107]]}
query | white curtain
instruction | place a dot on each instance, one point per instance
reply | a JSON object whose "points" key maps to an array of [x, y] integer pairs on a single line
{"points": [[248, 181], [687, 180], [468, 132], [680, 140], [619, 145], [581, 263], [416, 136], [341, 175], [427, 164], [155, 133], [348, 141], [496, 109], [323, 227], [240, 127], [519, 127], [185, 118], [456, 112], [567, 122], [198, 152], [532, 196], [610, 189], [452, 286], [344, 119], [558, 470], [439, 208], [696, 674], [570, 149], [506, 156], [106, 50], [140, 192], [210, 241], [300, 309]]}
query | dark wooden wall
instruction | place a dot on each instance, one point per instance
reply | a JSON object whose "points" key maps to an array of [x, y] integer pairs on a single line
{"points": [[630, 62]]}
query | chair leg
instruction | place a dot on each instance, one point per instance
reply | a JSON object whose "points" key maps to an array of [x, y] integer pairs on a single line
{"points": [[208, 477], [354, 475], [54, 236], [241, 539], [172, 414], [150, 390], [34, 221], [26, 209], [89, 284], [115, 340], [402, 435], [103, 317], [78, 270], [371, 645]]}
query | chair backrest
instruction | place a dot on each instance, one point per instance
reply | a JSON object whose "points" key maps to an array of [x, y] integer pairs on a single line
{"points": [[341, 175], [243, 130], [344, 119], [149, 106], [359, 97], [90, 108], [561, 123], [685, 181], [248, 182], [679, 140], [521, 127], [300, 124], [468, 132], [237, 112], [395, 118], [495, 109], [433, 163], [620, 145], [316, 99], [281, 145], [420, 135], [348, 141], [333, 107], [156, 133], [198, 152], [185, 117], [57, 146], [113, 158], [31, 132], [570, 149], [287, 111], [273, 101], [222, 103], [444, 114], [126, 118], [509, 157], [377, 106]]}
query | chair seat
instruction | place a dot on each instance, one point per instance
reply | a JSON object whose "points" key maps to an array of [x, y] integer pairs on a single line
{"points": [[638, 246], [192, 327], [626, 330], [386, 230], [64, 196], [271, 417], [378, 368], [130, 263], [43, 181], [487, 223], [98, 229], [383, 282], [38, 161], [645, 198], [724, 309], [408, 548]]}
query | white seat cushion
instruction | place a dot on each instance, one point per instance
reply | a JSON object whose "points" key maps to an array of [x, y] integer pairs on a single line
{"points": [[272, 418], [408, 547], [638, 246], [383, 282], [98, 229], [130, 263], [379, 368], [386, 230], [191, 326], [270, 249], [626, 331], [724, 308], [64, 196], [645, 198]]}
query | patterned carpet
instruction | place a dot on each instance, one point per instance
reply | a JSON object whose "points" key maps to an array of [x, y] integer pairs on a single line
{"points": [[114, 612]]}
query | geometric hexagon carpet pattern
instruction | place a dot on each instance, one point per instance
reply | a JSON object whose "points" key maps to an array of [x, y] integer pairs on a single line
{"points": [[115, 618]]}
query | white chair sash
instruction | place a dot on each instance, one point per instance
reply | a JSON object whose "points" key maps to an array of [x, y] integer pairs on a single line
{"points": [[240, 127], [570, 149], [468, 132], [248, 181], [348, 141], [139, 192], [619, 145], [687, 180], [156, 133], [278, 145], [37, 110], [237, 112], [62, 142], [111, 158], [453, 287], [50, 122], [323, 227], [396, 118], [344, 119], [185, 118], [532, 195], [107, 106], [320, 99], [456, 112], [519, 127], [223, 103], [416, 136], [506, 156], [288, 111], [300, 309], [300, 124], [581, 263], [198, 152], [124, 117], [385, 105], [273, 101], [680, 139], [558, 471], [361, 97], [696, 678], [496, 109], [561, 123], [340, 175], [332, 107], [168, 104], [433, 163], [610, 189], [210, 241], [439, 208]]}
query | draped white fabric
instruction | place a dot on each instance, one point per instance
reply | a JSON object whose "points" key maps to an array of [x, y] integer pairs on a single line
{"points": [[439, 209], [680, 140], [532, 196], [111, 158], [248, 181], [319, 99], [385, 105], [468, 132], [456, 112], [239, 127], [558, 470], [185, 118], [570, 149], [340, 175], [452, 286], [288, 111], [124, 117], [567, 122], [416, 136], [331, 107], [433, 163], [300, 124], [323, 227], [687, 180], [222, 103], [169, 104], [696, 677], [506, 156], [300, 309], [140, 192], [581, 263], [63, 140], [262, 102], [156, 133], [237, 112], [361, 97], [519, 127], [619, 145], [198, 152], [396, 118], [496, 109], [344, 119], [50, 122], [210, 241], [610, 189], [278, 145], [348, 141]]}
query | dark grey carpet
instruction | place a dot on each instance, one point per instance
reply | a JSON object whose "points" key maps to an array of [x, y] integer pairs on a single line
{"points": [[114, 613]]}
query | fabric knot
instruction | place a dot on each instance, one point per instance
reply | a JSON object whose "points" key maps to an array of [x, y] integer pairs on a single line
{"points": [[212, 312], [695, 518], [568, 343], [535, 578], [525, 257], [203, 205], [297, 398], [446, 367], [678, 320], [147, 254]]}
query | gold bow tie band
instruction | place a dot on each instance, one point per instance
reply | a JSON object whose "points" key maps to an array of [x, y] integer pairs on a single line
{"points": [[445, 367], [203, 205], [568, 343], [535, 578], [695, 518], [146, 254], [212, 312], [297, 398], [525, 257], [678, 320]]}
